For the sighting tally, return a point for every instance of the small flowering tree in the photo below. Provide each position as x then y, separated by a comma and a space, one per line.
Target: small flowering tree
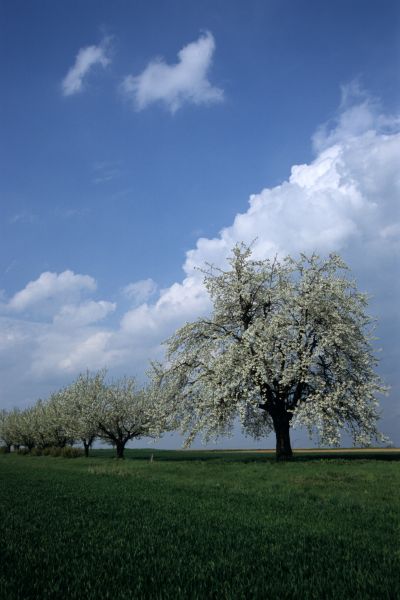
56, 420
39, 426
24, 434
16, 428
7, 429
81, 407
288, 343
124, 413
39, 422
47, 423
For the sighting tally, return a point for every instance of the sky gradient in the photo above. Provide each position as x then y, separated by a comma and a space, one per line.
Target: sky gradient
139, 140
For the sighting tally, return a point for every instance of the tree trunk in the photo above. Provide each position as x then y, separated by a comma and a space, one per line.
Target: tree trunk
86, 447
282, 432
120, 446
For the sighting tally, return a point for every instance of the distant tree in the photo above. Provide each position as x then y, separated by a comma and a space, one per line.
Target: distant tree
288, 343
56, 418
39, 422
47, 421
124, 413
24, 433
81, 407
6, 429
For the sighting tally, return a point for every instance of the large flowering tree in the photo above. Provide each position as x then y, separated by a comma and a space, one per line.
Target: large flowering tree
288, 342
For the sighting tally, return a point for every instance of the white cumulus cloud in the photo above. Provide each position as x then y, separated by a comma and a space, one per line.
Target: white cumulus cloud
345, 200
358, 112
175, 305
93, 351
73, 315
140, 291
49, 328
53, 288
177, 84
86, 59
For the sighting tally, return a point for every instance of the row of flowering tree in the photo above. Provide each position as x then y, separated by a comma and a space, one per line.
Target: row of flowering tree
85, 410
288, 343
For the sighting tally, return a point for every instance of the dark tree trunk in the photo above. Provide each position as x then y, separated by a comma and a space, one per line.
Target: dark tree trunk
8, 448
86, 447
120, 446
282, 431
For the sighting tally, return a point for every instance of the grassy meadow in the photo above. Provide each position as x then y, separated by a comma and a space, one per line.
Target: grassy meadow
224, 525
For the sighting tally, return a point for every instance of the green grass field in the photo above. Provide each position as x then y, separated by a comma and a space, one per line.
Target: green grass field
200, 525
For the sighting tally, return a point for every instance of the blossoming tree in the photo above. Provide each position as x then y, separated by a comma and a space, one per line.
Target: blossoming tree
7, 428
124, 413
288, 342
81, 407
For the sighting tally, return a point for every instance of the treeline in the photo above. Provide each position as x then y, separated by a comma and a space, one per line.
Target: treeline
80, 413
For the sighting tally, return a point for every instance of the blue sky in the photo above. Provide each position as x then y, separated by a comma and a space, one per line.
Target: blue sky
122, 161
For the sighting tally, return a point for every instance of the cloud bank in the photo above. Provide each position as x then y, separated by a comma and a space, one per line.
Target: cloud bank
346, 199
177, 84
86, 59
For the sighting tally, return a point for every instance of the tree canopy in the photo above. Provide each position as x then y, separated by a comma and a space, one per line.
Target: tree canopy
288, 343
